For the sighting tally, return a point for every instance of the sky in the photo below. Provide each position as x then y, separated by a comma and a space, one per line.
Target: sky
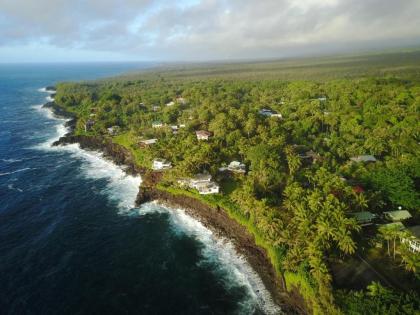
200, 30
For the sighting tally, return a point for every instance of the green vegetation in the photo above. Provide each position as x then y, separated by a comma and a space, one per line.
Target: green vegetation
301, 186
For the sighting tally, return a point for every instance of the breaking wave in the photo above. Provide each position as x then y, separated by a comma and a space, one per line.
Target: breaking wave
222, 253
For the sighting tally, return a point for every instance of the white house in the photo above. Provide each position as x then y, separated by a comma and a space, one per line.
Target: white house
203, 134
161, 164
363, 158
208, 188
171, 103
414, 239
236, 167
157, 124
156, 108
148, 142
202, 183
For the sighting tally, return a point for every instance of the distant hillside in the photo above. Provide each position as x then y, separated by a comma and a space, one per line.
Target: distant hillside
398, 64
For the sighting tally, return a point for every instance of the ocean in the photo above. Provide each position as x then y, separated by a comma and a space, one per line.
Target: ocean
71, 239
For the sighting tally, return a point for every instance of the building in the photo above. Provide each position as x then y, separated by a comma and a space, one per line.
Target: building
202, 183
89, 125
364, 217
203, 135
397, 216
114, 130
157, 124
161, 164
155, 108
148, 142
208, 188
171, 103
269, 113
234, 167
322, 99
363, 158
413, 240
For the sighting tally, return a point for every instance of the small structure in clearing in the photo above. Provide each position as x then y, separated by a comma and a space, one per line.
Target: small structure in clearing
147, 143
161, 164
364, 217
203, 135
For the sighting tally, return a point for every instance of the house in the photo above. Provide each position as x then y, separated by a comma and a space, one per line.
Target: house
358, 189
114, 130
322, 98
155, 108
208, 188
397, 216
161, 164
147, 143
174, 129
363, 158
269, 113
157, 124
413, 239
236, 167
199, 179
171, 103
203, 183
89, 125
203, 134
182, 126
364, 217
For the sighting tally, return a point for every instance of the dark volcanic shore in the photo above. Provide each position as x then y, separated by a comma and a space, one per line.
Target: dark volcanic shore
216, 219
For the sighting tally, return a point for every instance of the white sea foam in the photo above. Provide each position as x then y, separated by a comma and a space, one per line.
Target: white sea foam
16, 171
222, 252
49, 98
44, 90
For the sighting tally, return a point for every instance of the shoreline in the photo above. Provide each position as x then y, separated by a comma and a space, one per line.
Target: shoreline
216, 220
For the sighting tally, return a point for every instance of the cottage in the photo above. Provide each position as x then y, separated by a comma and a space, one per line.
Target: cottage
171, 103
364, 217
322, 98
161, 164
89, 125
157, 124
203, 134
182, 126
269, 113
114, 130
363, 158
236, 167
397, 216
156, 108
208, 188
413, 239
199, 179
147, 143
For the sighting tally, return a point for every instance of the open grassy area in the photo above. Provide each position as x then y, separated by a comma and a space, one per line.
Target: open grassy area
142, 157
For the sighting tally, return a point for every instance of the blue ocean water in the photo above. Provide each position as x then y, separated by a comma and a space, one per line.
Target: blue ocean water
71, 240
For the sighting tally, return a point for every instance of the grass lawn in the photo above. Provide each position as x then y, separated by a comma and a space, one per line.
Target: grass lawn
142, 157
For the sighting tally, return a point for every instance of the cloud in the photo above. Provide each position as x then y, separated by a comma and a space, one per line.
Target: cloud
210, 29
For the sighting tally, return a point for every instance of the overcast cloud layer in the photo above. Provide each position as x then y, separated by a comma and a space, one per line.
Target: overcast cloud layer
202, 29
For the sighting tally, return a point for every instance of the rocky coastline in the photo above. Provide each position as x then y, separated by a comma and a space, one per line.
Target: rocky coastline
216, 219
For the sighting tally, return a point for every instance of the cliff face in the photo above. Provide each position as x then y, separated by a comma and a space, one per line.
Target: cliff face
118, 154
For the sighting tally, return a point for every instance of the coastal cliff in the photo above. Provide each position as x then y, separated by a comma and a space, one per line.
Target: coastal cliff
214, 218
